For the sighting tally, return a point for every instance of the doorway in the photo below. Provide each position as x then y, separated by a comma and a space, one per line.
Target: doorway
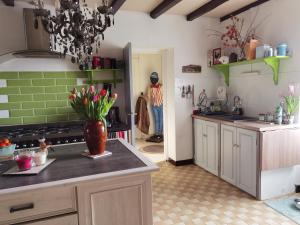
144, 63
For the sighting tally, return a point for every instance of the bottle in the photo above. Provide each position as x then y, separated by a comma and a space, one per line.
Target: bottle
278, 114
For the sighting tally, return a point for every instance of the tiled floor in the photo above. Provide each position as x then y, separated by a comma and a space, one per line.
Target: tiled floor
154, 157
189, 195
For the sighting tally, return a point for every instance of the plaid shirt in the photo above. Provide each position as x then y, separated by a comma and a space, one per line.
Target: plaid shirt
155, 94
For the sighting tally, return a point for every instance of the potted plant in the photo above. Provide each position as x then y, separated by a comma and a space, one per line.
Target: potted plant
291, 104
93, 106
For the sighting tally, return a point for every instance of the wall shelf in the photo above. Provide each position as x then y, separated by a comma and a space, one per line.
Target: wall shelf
115, 80
273, 62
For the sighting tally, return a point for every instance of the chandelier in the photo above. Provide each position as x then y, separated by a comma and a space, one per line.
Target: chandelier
75, 29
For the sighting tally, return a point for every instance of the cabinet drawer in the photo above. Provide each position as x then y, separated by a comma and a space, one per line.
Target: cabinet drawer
62, 220
36, 204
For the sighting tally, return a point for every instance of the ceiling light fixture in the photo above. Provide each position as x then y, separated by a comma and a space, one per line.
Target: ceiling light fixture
76, 29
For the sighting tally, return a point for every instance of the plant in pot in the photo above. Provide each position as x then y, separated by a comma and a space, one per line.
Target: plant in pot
93, 106
291, 104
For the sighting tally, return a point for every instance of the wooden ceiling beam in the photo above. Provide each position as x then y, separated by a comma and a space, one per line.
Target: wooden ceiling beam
205, 9
9, 2
163, 7
116, 5
243, 9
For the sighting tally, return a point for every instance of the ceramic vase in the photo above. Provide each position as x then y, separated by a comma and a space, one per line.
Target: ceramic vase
95, 134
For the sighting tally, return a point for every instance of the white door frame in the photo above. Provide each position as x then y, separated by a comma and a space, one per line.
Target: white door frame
169, 96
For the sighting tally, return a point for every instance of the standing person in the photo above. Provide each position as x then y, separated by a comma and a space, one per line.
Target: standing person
155, 95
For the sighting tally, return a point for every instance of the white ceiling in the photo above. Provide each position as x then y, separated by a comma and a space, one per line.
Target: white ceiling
185, 6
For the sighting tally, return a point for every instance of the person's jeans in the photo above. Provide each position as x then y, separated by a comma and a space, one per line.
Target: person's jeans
158, 117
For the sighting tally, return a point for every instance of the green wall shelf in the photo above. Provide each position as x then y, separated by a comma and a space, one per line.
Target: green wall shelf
273, 62
114, 72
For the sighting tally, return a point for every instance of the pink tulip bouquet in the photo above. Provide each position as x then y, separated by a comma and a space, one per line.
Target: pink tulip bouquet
93, 105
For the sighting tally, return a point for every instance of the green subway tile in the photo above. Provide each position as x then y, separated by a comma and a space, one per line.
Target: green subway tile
34, 119
17, 83
44, 97
56, 104
40, 112
8, 75
11, 121
27, 75
33, 105
65, 110
66, 82
76, 74
54, 74
4, 106
60, 89
9, 90
32, 90
19, 113
43, 82
74, 116
19, 98
57, 118
63, 96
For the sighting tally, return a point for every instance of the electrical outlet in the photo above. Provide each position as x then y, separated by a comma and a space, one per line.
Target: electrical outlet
4, 114
81, 81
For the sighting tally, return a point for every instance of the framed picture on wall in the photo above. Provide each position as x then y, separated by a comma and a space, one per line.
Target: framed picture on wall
217, 52
209, 58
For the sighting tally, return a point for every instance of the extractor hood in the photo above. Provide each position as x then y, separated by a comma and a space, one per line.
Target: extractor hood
37, 40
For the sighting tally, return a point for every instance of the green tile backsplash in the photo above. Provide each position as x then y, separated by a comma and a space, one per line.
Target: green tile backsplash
38, 97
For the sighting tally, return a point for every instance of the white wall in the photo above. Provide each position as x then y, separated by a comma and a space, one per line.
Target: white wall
190, 43
258, 91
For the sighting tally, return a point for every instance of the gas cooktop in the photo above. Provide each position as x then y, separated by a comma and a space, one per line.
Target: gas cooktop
27, 136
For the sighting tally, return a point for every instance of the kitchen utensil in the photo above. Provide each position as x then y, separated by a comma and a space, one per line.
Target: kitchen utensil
202, 100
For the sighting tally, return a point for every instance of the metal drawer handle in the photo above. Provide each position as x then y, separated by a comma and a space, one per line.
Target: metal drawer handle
21, 207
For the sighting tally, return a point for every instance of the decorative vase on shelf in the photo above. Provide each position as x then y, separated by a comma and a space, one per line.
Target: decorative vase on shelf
95, 134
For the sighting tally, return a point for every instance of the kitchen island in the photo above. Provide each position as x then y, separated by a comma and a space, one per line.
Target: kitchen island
259, 158
77, 190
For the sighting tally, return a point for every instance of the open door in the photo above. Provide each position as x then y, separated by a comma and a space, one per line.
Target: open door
129, 107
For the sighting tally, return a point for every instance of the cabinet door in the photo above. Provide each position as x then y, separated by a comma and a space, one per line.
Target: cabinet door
63, 220
228, 155
126, 201
200, 154
211, 146
246, 160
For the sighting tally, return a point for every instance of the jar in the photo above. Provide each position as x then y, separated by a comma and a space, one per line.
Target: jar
24, 160
40, 158
282, 49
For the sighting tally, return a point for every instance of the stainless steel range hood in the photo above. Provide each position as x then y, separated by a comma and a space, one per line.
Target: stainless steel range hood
37, 40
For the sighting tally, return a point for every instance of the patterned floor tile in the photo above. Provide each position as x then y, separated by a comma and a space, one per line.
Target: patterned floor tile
189, 195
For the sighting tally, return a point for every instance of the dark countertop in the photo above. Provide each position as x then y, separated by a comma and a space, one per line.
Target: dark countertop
70, 164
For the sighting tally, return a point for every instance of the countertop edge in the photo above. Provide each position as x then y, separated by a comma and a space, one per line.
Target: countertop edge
150, 167
247, 124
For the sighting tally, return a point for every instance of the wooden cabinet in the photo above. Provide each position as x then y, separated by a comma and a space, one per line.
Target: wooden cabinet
228, 154
239, 157
37, 204
63, 220
126, 201
207, 145
247, 146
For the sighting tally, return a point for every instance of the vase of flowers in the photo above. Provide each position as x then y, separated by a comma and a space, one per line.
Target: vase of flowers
93, 106
291, 104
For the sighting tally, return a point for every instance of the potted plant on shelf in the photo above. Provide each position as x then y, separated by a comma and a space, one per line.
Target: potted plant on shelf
291, 104
93, 106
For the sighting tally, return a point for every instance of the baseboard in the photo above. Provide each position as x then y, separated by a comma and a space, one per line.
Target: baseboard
181, 162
